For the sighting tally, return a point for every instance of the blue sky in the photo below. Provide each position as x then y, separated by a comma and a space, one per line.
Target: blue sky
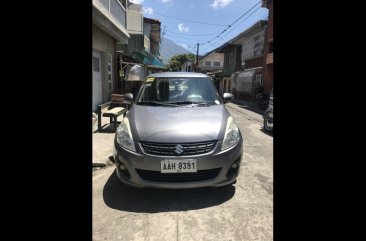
180, 19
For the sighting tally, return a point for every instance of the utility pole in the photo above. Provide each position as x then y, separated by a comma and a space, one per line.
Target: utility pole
198, 46
161, 39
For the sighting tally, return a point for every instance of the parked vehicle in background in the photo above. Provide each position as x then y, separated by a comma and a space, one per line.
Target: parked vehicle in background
263, 101
262, 98
268, 115
178, 134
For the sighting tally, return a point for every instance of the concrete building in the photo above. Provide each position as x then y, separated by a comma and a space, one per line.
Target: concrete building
211, 62
135, 28
109, 31
152, 29
243, 61
251, 77
268, 49
188, 66
141, 53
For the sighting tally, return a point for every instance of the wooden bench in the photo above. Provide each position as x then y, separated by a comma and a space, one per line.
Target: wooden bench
109, 110
120, 100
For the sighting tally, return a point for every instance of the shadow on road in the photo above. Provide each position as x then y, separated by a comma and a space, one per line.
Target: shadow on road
107, 128
252, 108
116, 195
248, 105
265, 132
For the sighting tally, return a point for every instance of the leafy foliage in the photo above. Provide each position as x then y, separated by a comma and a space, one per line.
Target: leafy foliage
177, 61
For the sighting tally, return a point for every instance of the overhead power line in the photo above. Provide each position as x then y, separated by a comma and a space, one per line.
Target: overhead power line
241, 22
189, 44
219, 34
188, 20
211, 44
186, 34
192, 49
234, 22
248, 33
246, 13
184, 38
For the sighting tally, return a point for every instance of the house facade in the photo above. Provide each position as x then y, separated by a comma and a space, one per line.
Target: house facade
231, 55
248, 81
188, 66
268, 49
140, 56
211, 62
243, 62
109, 31
152, 29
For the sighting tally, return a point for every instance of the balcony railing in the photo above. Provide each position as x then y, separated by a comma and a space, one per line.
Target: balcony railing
116, 9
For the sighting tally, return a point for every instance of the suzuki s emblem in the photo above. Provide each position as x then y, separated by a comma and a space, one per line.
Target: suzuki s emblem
178, 149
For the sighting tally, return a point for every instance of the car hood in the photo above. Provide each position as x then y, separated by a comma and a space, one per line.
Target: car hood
177, 124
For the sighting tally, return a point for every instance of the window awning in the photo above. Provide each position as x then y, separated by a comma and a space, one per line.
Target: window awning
148, 59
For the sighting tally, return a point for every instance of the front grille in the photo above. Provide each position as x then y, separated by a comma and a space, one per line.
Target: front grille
185, 149
178, 177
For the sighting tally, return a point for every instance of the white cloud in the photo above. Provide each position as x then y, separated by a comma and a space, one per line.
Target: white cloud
220, 3
165, 1
147, 10
183, 28
137, 1
184, 46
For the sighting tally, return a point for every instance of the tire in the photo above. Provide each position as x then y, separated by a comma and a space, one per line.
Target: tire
268, 121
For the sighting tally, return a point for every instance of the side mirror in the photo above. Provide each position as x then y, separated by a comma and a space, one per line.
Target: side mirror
228, 96
128, 96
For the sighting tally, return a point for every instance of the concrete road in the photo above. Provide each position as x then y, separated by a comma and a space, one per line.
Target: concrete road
243, 211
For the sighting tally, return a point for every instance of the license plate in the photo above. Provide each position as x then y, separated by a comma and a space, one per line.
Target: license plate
181, 165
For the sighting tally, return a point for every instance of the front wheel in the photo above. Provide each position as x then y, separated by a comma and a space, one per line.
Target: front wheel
268, 121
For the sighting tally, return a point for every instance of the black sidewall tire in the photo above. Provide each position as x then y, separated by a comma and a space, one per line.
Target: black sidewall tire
266, 128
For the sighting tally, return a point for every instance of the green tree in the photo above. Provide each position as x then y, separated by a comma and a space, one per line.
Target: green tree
177, 61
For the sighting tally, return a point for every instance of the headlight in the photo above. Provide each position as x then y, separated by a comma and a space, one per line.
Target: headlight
232, 135
124, 135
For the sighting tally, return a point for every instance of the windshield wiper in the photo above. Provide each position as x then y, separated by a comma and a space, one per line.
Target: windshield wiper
156, 103
188, 102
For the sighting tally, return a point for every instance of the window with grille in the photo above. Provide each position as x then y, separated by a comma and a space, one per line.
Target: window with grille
96, 64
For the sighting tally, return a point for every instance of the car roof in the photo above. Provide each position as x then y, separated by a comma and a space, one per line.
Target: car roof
178, 74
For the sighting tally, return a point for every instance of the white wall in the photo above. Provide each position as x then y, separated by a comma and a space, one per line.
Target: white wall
253, 46
213, 57
105, 44
134, 19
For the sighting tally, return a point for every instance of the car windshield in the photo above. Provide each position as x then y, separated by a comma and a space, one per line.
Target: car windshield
178, 91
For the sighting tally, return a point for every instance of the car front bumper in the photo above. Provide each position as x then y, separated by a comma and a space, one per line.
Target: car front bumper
221, 161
